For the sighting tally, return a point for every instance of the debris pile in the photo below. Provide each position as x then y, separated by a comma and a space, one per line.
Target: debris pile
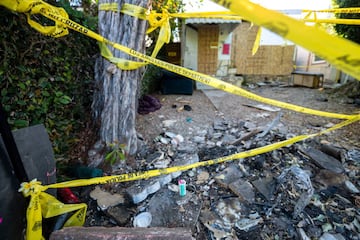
308, 190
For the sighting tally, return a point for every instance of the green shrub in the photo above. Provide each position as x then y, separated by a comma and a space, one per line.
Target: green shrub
46, 80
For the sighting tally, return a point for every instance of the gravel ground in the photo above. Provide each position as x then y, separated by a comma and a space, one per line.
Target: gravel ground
206, 105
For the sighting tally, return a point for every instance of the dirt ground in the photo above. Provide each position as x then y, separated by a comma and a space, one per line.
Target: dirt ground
207, 105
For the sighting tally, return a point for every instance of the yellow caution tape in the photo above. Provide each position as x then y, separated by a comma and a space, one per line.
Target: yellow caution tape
43, 205
38, 199
121, 63
30, 7
312, 17
156, 20
47, 11
257, 42
335, 21
46, 205
162, 20
342, 53
335, 10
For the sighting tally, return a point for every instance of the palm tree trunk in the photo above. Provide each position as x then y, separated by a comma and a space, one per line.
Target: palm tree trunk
116, 90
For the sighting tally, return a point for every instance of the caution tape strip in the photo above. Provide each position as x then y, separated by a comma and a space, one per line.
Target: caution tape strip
342, 53
39, 200
203, 78
46, 205
335, 10
334, 21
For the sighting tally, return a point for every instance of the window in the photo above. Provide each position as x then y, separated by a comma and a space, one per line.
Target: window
317, 59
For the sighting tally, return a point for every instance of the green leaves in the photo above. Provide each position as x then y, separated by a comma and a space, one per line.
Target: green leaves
46, 80
21, 123
116, 153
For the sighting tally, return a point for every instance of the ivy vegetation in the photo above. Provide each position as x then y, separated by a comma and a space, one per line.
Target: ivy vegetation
45, 80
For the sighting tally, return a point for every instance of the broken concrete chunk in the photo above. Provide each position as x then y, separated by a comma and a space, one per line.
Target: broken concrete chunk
120, 214
323, 160
106, 199
166, 212
244, 190
139, 191
228, 175
329, 236
266, 186
183, 159
245, 224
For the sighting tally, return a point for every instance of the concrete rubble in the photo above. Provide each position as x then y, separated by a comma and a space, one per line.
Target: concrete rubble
309, 190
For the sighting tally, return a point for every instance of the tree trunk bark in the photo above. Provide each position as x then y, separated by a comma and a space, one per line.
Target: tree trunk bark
116, 91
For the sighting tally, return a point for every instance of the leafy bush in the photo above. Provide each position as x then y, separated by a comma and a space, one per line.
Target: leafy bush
46, 80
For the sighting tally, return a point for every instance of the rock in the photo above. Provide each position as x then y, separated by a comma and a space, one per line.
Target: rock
183, 159
106, 199
120, 214
228, 175
219, 124
216, 135
351, 187
166, 212
164, 179
199, 140
102, 233
169, 123
323, 160
249, 125
244, 190
329, 178
245, 224
329, 236
140, 190
266, 186
228, 139
188, 148
202, 177
177, 140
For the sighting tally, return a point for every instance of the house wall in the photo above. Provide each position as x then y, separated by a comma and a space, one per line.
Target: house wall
269, 59
224, 50
306, 61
